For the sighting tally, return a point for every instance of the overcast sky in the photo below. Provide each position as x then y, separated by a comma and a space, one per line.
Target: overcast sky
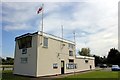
94, 21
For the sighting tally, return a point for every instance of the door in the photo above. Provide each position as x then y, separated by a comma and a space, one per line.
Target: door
62, 67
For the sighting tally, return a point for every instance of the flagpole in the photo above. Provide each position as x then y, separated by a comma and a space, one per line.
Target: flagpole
42, 19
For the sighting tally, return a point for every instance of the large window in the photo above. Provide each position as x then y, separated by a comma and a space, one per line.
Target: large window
70, 53
25, 42
71, 66
45, 42
24, 60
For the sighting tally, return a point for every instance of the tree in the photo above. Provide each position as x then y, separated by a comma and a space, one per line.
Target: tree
7, 61
98, 60
113, 56
84, 52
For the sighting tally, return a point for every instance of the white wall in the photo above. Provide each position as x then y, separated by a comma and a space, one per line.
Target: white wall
28, 68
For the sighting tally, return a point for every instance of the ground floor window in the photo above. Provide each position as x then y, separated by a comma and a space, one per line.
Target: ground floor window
55, 66
71, 66
24, 60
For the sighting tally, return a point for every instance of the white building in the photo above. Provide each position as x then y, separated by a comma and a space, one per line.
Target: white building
41, 54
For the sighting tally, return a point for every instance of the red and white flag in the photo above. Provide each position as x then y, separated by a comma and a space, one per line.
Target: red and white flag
39, 10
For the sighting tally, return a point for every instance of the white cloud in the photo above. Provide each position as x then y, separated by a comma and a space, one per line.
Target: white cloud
97, 18
17, 27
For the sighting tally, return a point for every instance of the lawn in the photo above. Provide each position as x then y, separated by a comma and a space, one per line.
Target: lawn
94, 75
7, 75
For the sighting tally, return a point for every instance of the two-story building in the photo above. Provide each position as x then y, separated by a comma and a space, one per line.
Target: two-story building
41, 54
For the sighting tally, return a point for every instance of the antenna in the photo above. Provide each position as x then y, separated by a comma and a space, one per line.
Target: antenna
62, 32
74, 36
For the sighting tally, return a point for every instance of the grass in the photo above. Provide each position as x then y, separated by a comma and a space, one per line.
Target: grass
8, 75
6, 66
94, 75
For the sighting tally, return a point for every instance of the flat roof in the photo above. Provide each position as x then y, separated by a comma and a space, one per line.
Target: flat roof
47, 35
84, 57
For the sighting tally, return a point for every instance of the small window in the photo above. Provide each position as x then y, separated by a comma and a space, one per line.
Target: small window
24, 51
70, 53
86, 61
71, 61
45, 43
24, 60
55, 66
71, 46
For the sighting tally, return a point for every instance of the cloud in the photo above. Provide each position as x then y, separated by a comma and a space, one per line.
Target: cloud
17, 27
95, 22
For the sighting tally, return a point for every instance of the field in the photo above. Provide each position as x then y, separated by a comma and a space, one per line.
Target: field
7, 75
6, 66
94, 75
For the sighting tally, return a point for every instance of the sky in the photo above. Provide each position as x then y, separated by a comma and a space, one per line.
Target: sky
95, 23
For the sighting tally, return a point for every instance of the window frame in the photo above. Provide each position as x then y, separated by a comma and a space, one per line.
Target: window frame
44, 44
22, 60
70, 53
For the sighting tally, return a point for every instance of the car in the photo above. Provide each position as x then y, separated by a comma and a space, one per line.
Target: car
115, 68
103, 66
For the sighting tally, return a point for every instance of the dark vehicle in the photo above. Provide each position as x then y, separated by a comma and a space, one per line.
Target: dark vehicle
115, 68
103, 66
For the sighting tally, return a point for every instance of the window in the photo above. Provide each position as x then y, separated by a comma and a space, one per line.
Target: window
71, 66
25, 42
70, 53
55, 66
45, 43
86, 61
71, 46
24, 51
24, 60
71, 61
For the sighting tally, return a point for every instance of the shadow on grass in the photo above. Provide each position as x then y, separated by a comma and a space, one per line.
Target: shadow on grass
8, 75
86, 79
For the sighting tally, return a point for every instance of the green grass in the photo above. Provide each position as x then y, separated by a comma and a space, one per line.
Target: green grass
94, 75
6, 66
8, 75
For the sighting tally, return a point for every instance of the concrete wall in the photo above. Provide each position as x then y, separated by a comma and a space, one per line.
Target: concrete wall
28, 68
46, 57
53, 54
83, 66
41, 59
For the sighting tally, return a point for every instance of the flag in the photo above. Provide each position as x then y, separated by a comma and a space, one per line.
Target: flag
39, 10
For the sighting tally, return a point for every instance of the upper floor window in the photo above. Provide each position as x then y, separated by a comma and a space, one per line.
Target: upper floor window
45, 42
24, 51
70, 53
25, 42
86, 61
71, 60
71, 46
